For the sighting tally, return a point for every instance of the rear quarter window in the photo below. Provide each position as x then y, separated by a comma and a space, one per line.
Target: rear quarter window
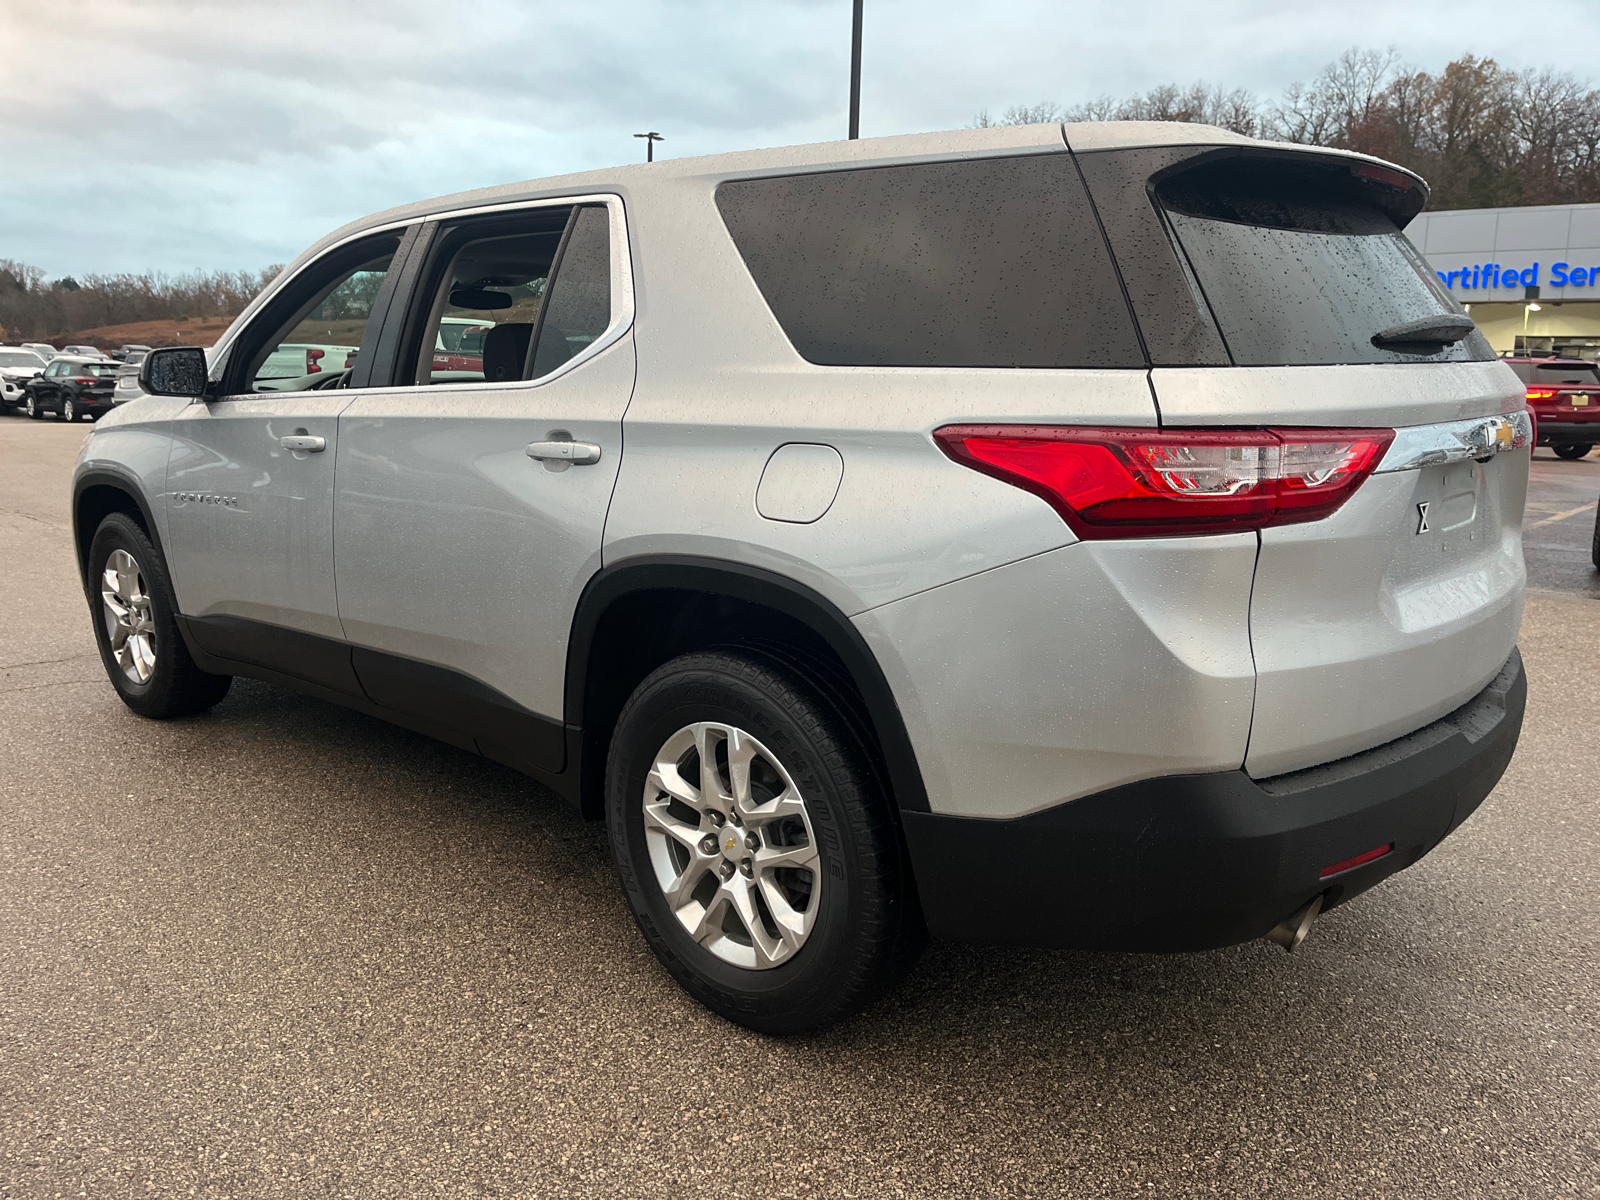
981, 263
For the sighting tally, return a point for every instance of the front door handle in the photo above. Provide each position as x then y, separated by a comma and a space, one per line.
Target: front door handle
299, 441
579, 454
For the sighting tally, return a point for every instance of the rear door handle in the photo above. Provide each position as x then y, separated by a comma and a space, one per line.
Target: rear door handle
577, 453
299, 441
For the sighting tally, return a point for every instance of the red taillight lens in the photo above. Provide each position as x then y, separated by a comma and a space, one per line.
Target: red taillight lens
1350, 864
83, 379
1541, 393
312, 364
1118, 483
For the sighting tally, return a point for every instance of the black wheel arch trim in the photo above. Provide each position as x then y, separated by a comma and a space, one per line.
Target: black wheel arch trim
755, 585
122, 481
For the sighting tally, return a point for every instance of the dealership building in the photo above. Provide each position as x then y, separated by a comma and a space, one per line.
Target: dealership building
1530, 277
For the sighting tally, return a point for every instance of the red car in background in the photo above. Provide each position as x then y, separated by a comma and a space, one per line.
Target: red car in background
1564, 395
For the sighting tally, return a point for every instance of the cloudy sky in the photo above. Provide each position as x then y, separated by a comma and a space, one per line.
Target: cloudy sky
178, 134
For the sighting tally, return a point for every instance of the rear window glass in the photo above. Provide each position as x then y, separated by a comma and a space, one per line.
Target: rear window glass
98, 370
1299, 268
1584, 373
984, 263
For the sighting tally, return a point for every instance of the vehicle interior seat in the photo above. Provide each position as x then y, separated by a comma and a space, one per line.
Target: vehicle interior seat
505, 350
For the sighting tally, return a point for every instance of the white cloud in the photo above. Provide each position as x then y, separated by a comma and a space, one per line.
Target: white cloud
186, 134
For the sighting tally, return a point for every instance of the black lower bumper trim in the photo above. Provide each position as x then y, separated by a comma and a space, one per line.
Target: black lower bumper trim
1194, 862
1568, 433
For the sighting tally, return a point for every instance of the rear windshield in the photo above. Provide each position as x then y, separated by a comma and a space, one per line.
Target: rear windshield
97, 369
1567, 372
1299, 266
982, 263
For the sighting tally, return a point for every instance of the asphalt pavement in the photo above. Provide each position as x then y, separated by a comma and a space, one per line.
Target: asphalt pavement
281, 949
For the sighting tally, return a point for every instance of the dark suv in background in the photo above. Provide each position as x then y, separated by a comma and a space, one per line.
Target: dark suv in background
1564, 394
72, 388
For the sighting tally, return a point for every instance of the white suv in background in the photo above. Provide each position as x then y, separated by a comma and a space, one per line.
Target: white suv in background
1098, 536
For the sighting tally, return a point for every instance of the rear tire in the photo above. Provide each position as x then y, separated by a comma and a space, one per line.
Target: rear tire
69, 410
776, 948
1570, 451
135, 626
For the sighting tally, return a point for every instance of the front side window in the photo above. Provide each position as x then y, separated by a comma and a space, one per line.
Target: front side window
311, 334
515, 298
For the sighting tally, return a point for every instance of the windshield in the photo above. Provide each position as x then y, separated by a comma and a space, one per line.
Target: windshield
1567, 372
20, 358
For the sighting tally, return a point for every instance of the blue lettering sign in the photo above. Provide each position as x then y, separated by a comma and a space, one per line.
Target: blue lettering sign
1558, 274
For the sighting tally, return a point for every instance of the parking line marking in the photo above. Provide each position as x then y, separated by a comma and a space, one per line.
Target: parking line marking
1571, 512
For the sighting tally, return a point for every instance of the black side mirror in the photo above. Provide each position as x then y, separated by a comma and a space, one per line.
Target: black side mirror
179, 371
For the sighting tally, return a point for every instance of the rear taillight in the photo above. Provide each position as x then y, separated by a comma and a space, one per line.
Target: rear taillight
1541, 393
312, 357
1119, 483
83, 379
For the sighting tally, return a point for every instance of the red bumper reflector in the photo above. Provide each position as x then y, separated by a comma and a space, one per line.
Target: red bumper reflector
1360, 860
1136, 482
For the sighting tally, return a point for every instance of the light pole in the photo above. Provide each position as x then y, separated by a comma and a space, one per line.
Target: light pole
651, 138
855, 72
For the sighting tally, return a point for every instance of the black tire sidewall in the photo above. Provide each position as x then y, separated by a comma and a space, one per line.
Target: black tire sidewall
680, 695
120, 532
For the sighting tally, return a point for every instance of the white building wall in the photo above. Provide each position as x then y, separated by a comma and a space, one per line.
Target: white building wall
1510, 247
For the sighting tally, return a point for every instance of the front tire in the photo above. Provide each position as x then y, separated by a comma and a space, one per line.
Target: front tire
755, 843
1571, 452
136, 629
31, 406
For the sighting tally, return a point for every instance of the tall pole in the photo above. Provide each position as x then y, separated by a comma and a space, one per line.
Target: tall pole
855, 72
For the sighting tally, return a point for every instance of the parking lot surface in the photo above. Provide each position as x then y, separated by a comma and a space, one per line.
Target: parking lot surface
283, 949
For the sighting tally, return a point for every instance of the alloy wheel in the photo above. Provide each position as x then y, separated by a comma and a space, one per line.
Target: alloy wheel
130, 623
69, 411
731, 844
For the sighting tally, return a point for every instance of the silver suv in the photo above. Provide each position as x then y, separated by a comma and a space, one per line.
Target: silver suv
1100, 536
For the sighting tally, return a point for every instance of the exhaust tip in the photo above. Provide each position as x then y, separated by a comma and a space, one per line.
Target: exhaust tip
1292, 930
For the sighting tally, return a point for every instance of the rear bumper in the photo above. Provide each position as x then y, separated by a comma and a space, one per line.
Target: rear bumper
1568, 432
1194, 862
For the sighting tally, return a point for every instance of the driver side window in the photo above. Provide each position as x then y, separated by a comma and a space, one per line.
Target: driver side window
312, 334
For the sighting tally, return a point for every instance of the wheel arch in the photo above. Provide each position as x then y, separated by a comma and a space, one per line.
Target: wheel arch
96, 495
638, 613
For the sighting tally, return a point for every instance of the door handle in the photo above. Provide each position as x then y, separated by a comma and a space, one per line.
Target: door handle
579, 454
299, 441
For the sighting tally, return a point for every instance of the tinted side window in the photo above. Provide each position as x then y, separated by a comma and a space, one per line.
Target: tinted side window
984, 263
579, 308
1177, 326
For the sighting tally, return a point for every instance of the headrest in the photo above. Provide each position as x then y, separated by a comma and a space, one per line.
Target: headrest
505, 351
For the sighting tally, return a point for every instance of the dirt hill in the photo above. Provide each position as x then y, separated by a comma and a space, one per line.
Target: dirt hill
196, 331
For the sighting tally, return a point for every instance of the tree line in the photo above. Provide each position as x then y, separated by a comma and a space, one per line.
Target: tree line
1481, 135
36, 309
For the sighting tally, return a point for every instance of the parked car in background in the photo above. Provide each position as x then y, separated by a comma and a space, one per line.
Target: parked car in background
1564, 394
73, 388
43, 349
296, 360
85, 352
17, 366
127, 383
458, 347
121, 354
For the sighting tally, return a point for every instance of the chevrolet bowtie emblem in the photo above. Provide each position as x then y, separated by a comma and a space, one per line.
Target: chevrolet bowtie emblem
1504, 434
1422, 517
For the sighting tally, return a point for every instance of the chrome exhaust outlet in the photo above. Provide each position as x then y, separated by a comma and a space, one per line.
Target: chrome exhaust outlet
1292, 930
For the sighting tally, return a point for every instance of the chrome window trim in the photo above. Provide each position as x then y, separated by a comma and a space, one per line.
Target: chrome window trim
1418, 446
621, 277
